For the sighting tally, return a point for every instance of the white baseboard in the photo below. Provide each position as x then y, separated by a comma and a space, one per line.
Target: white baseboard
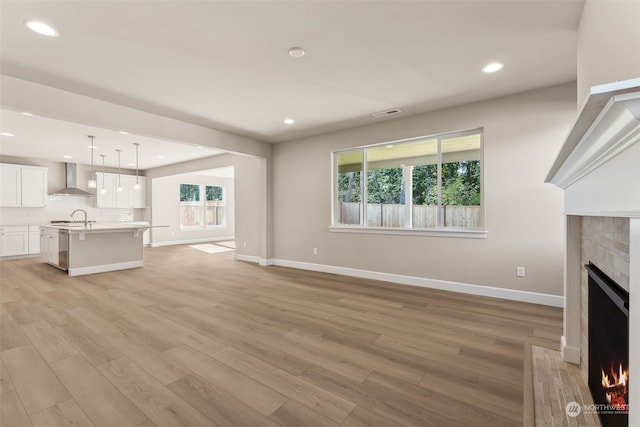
192, 241
465, 288
570, 354
81, 271
248, 258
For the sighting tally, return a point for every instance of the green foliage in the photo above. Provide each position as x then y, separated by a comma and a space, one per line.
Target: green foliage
349, 187
460, 185
425, 185
213, 193
385, 186
189, 193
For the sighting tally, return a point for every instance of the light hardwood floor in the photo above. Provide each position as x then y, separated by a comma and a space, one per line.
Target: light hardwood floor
200, 339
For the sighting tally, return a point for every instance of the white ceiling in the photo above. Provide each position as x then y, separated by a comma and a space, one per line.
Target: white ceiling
51, 139
224, 64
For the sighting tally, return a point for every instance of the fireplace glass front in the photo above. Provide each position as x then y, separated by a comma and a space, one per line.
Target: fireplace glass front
608, 348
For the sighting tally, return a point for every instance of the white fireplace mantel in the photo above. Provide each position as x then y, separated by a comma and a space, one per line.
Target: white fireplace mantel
599, 163
598, 168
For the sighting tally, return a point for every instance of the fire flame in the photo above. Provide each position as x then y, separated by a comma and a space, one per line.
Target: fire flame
615, 387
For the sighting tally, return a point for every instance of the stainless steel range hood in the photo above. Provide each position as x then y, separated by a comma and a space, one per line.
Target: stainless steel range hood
71, 188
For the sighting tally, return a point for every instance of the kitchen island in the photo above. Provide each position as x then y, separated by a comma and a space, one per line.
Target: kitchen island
83, 249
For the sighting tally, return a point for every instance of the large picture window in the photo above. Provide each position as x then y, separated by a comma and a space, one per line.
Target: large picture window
432, 182
201, 206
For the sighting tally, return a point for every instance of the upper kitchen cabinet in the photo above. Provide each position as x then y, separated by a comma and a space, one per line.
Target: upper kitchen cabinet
10, 185
138, 196
34, 187
105, 193
128, 198
22, 186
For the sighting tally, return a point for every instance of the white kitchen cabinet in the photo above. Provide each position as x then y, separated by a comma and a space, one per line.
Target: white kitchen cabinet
135, 197
10, 186
34, 187
128, 198
106, 182
122, 197
49, 242
22, 186
34, 239
14, 240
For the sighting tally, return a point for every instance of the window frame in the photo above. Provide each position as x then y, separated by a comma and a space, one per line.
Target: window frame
202, 207
440, 231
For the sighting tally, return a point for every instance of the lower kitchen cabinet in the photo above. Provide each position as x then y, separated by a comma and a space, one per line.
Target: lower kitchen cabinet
34, 239
49, 246
14, 240
18, 240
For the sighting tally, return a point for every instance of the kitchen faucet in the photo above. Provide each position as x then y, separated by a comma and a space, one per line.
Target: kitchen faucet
85, 216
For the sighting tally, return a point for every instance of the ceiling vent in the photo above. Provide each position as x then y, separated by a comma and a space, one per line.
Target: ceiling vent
386, 113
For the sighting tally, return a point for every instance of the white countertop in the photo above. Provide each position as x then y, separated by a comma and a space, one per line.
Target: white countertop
101, 227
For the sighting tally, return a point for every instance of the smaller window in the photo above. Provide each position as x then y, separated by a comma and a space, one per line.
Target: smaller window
215, 209
202, 206
190, 206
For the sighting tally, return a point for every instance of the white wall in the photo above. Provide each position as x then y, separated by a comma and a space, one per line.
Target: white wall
523, 215
166, 210
608, 43
248, 191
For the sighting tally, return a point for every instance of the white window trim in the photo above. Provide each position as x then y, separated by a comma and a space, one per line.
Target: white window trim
404, 231
433, 232
203, 209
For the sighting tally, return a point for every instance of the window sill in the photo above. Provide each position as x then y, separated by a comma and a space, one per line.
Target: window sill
201, 228
434, 232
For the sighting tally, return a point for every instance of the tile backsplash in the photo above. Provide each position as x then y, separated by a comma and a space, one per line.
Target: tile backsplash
60, 208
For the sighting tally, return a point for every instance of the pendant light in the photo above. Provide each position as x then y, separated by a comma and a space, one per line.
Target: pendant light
136, 186
103, 190
119, 188
92, 182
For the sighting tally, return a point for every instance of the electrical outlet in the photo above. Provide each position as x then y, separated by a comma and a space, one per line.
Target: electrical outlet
315, 251
520, 272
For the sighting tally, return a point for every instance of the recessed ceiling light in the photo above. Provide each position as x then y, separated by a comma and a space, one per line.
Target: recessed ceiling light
131, 164
42, 28
123, 132
161, 157
68, 157
297, 52
199, 148
24, 113
388, 146
91, 146
289, 121
6, 134
493, 67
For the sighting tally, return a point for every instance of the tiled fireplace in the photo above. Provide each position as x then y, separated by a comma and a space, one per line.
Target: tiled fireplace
599, 170
605, 243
